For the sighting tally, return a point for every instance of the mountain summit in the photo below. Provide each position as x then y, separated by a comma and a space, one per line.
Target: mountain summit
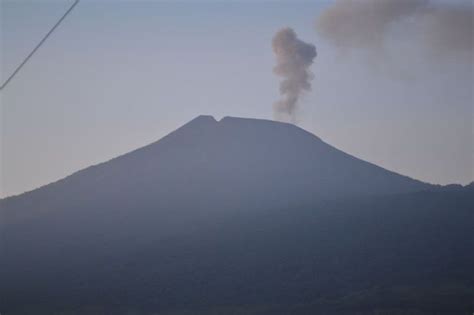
209, 162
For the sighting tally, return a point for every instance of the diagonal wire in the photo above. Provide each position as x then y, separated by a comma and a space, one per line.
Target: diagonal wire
39, 45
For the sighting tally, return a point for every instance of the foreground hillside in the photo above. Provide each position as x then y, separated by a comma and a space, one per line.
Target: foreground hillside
405, 253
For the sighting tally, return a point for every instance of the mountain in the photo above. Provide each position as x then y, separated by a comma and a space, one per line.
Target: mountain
238, 216
208, 162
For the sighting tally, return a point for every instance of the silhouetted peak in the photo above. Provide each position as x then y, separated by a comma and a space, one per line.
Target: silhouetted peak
202, 120
245, 156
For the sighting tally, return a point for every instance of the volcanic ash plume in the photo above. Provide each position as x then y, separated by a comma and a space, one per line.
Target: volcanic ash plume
294, 57
360, 23
441, 28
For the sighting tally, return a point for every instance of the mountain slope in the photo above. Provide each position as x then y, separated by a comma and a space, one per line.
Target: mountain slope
214, 163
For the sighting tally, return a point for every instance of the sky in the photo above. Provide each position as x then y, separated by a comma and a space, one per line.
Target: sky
117, 75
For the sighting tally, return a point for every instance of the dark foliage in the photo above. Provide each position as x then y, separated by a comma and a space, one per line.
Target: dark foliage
399, 253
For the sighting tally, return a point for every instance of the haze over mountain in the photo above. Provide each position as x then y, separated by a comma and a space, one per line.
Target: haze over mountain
237, 213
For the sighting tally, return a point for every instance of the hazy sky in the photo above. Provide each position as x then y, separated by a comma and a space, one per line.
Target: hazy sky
118, 75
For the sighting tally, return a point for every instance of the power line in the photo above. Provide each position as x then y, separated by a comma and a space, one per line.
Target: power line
39, 45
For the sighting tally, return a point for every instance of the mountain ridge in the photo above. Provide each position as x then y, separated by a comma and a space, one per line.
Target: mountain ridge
216, 163
201, 121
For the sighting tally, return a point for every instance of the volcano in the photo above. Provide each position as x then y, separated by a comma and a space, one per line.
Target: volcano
235, 213
208, 162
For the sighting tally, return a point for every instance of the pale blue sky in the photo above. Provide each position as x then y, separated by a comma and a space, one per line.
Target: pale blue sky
118, 75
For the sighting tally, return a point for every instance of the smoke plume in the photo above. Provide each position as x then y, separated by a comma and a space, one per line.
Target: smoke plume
441, 28
294, 57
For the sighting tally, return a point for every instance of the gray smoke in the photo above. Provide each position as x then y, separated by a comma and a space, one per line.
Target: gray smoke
441, 28
294, 57
449, 28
